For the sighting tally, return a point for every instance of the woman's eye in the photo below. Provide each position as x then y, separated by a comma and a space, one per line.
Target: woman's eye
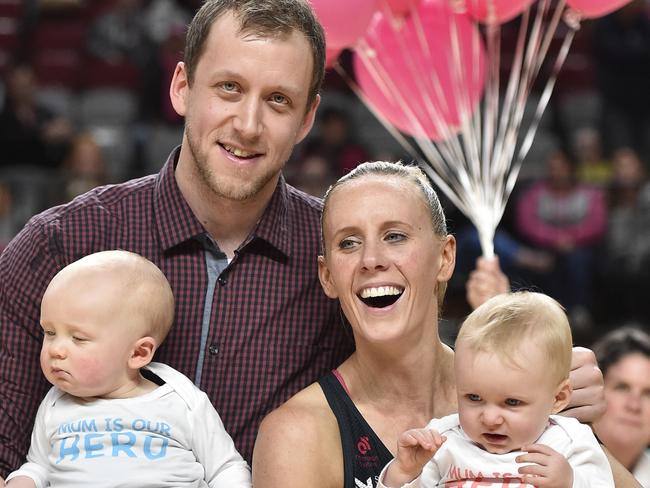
346, 244
512, 402
621, 387
395, 237
473, 397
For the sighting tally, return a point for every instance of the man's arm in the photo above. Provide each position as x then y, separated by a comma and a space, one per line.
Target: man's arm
26, 266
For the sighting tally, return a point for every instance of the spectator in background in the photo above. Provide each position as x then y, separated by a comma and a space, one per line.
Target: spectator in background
624, 273
30, 134
337, 142
624, 358
84, 167
622, 55
593, 168
313, 175
567, 219
9, 224
120, 37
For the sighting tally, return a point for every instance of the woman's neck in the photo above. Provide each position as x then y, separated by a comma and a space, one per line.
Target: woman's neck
422, 380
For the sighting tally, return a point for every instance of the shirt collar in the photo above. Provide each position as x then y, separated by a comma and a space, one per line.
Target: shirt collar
177, 223
174, 218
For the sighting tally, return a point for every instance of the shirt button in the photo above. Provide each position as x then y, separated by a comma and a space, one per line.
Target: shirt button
214, 349
222, 280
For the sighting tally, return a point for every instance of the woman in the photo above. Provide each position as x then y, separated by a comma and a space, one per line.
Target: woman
624, 358
387, 258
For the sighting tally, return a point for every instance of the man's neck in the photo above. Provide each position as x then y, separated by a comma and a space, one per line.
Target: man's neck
229, 222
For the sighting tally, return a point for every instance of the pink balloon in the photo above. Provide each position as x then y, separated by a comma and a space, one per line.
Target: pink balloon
496, 11
400, 8
596, 8
459, 88
344, 21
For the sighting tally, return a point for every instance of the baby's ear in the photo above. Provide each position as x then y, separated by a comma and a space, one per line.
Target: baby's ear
562, 396
142, 353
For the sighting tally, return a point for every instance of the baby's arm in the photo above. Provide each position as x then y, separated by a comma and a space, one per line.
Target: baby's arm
33, 473
415, 448
549, 468
19, 482
214, 449
584, 458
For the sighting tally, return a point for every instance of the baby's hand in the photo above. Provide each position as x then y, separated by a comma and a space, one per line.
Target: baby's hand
415, 448
550, 469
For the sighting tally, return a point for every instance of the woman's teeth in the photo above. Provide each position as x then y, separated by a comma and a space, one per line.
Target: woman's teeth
380, 291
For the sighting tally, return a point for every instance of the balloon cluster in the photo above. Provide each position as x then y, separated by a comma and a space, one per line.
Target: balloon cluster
380, 32
431, 69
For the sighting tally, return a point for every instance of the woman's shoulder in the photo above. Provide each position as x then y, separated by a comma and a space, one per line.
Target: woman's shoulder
298, 443
307, 412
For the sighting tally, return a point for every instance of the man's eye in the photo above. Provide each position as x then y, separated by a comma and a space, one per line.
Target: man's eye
229, 86
512, 402
473, 397
279, 99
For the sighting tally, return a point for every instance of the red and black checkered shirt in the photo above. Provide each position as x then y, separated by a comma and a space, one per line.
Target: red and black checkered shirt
272, 330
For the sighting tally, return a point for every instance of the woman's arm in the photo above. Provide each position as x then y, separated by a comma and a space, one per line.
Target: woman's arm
299, 445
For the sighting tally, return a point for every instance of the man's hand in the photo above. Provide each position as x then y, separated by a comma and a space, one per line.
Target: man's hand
486, 281
549, 469
587, 402
415, 448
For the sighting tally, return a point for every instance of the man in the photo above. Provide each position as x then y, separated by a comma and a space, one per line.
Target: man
237, 244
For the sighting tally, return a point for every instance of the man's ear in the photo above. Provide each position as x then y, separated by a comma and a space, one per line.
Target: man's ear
142, 353
325, 278
562, 396
178, 89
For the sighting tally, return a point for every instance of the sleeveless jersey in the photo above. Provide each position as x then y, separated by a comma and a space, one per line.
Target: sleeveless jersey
364, 454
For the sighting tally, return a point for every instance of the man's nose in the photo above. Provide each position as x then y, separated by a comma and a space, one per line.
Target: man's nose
248, 119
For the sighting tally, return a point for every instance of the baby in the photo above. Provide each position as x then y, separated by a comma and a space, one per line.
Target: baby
512, 362
114, 418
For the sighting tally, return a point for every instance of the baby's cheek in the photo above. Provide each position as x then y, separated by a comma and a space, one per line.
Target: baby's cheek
92, 370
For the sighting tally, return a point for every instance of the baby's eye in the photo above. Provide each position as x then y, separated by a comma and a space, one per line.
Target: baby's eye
513, 402
473, 397
79, 339
50, 333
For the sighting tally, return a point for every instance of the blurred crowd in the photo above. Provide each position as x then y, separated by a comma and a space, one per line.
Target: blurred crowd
83, 102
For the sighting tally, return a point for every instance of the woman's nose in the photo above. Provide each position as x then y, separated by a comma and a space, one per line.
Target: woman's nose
373, 257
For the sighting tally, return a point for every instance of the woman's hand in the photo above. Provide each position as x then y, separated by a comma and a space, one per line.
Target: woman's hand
587, 402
